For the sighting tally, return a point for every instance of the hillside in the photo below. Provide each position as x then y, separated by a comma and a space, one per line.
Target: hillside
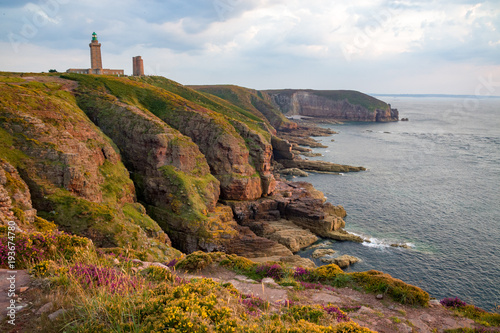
254, 101
106, 180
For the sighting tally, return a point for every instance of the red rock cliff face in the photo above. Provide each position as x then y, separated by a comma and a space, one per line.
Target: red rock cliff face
224, 149
15, 197
261, 152
171, 174
74, 174
66, 149
312, 104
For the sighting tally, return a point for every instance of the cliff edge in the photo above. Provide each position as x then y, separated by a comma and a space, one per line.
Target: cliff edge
342, 105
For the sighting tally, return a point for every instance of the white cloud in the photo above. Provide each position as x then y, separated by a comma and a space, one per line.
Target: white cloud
278, 43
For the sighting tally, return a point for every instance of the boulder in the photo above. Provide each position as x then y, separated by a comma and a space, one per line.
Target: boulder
282, 149
345, 261
290, 235
318, 166
294, 172
322, 252
298, 261
249, 245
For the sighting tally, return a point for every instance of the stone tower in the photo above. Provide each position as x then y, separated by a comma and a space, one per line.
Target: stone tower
137, 66
95, 55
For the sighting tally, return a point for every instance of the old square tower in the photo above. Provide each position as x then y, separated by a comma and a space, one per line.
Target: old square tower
96, 61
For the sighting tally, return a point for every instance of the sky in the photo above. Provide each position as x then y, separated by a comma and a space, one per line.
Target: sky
373, 46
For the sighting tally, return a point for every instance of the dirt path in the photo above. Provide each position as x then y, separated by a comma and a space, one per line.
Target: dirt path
381, 315
19, 283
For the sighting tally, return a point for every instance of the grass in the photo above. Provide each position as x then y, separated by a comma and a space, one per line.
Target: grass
480, 316
353, 97
252, 101
110, 293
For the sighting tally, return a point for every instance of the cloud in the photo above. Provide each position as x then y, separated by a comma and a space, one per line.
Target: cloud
242, 41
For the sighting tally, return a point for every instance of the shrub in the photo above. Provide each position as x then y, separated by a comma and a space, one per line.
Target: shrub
41, 269
398, 290
92, 276
238, 263
173, 262
289, 281
337, 313
38, 246
195, 261
305, 312
157, 273
254, 304
272, 270
327, 272
193, 307
305, 274
452, 302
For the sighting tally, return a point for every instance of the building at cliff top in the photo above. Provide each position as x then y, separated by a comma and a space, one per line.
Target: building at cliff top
96, 61
138, 66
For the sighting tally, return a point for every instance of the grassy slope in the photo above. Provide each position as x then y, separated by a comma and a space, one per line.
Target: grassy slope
252, 100
175, 110
257, 123
352, 96
112, 220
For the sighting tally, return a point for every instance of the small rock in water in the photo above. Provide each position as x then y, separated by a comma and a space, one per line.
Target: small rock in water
322, 252
345, 261
380, 296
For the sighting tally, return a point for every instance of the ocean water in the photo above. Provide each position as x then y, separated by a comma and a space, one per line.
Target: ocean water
432, 183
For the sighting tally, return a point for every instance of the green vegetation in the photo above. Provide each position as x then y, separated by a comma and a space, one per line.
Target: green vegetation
331, 275
209, 101
7, 79
247, 99
353, 97
470, 311
43, 128
378, 282
102, 292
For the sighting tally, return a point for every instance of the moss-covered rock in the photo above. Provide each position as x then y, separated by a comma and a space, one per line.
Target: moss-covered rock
74, 172
225, 150
171, 174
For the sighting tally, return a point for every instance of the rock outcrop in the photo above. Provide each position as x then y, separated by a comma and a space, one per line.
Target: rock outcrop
334, 104
224, 149
297, 202
74, 174
15, 198
343, 261
319, 166
170, 172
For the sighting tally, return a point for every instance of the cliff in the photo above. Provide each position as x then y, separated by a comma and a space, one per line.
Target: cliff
254, 101
83, 147
57, 165
343, 105
106, 177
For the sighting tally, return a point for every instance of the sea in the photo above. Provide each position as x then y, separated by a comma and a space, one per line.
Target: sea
432, 183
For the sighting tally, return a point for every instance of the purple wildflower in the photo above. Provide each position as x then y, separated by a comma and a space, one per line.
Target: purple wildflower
337, 313
453, 302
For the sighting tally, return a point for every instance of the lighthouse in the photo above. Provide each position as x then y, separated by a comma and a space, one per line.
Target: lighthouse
95, 55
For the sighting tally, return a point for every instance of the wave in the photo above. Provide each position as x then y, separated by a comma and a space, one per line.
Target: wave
382, 243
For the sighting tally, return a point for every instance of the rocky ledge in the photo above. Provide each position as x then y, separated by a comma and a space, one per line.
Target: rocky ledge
295, 216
